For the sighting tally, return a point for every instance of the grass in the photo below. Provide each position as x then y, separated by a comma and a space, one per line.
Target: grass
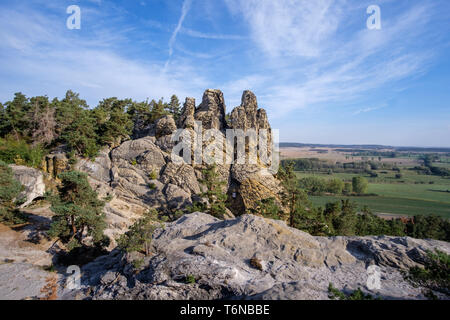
412, 194
397, 206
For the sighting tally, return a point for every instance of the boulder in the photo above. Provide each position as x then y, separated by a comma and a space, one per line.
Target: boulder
211, 112
187, 119
165, 126
32, 181
251, 257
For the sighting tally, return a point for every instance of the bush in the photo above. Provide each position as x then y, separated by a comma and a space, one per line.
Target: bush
18, 152
360, 185
435, 275
335, 294
139, 237
78, 212
9, 190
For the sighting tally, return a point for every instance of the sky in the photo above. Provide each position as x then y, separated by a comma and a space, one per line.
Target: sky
322, 75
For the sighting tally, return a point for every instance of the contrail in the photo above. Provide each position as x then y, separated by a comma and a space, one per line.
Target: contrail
184, 11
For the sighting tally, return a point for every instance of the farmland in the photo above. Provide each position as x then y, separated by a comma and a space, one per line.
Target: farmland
394, 189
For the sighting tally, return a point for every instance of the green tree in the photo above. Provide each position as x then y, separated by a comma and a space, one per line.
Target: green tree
291, 194
335, 186
158, 109
348, 188
139, 237
360, 185
174, 107
9, 190
68, 110
216, 197
81, 135
113, 122
78, 212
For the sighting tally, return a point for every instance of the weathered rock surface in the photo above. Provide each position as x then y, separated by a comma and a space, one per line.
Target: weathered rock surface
211, 112
290, 264
32, 181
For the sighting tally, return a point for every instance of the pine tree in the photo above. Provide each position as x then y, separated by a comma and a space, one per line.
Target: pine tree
9, 190
174, 107
291, 194
216, 197
78, 211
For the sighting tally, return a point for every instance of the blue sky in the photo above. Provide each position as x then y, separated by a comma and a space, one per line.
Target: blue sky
320, 73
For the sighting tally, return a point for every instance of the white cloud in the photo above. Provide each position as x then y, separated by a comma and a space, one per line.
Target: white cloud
39, 56
313, 58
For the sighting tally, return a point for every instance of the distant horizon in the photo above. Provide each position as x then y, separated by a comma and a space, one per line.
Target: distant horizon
364, 145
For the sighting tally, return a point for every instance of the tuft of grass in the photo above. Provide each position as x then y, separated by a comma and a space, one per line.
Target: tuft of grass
435, 276
190, 279
335, 294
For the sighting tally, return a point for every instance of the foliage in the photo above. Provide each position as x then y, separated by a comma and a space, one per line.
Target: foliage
435, 275
360, 185
267, 208
190, 279
174, 107
429, 227
335, 294
19, 152
216, 197
139, 237
9, 190
78, 212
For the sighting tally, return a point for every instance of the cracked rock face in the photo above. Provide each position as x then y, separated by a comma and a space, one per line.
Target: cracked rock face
32, 181
291, 264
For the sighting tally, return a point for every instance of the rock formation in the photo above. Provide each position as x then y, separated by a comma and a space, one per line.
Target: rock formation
221, 255
32, 181
139, 174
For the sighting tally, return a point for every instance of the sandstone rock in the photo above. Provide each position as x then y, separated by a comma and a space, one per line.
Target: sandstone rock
32, 181
187, 119
182, 176
177, 198
54, 164
98, 169
165, 126
293, 264
211, 112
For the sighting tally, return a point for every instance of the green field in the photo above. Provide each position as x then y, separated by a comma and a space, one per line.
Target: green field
412, 194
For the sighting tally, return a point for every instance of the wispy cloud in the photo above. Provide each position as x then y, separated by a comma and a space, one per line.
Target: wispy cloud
198, 34
184, 11
39, 56
314, 57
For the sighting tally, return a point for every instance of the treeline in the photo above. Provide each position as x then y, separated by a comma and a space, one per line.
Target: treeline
317, 186
31, 126
317, 165
342, 218
429, 169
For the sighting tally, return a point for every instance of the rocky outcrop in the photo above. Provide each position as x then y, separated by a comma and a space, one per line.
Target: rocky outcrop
32, 181
211, 112
165, 126
139, 174
254, 258
187, 118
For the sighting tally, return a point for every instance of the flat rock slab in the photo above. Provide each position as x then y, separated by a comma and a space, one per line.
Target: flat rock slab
20, 281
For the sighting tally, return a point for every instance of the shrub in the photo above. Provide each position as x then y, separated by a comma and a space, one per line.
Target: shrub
78, 212
360, 185
9, 190
335, 294
435, 275
139, 237
19, 152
